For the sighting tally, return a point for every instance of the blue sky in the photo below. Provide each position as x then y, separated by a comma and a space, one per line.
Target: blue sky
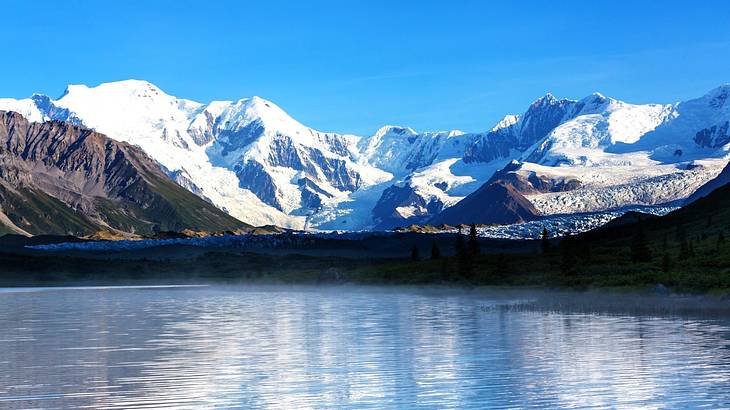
352, 66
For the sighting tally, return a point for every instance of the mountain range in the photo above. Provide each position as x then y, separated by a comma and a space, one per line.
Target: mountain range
251, 160
56, 177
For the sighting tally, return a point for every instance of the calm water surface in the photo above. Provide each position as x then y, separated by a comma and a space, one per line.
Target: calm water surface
346, 347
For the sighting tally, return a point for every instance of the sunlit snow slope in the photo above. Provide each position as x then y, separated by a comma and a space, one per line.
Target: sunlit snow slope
253, 160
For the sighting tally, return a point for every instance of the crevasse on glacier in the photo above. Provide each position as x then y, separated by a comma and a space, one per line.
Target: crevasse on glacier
253, 160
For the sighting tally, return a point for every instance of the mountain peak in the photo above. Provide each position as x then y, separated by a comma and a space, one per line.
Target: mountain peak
595, 103
247, 110
548, 98
598, 95
265, 108
718, 96
505, 122
395, 130
595, 98
258, 103
722, 88
135, 88
71, 88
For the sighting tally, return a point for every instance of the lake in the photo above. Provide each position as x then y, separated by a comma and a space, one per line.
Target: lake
349, 347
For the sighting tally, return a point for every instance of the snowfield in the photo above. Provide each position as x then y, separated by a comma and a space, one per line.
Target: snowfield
571, 224
253, 160
607, 188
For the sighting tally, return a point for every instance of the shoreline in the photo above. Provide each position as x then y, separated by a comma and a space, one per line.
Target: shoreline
606, 300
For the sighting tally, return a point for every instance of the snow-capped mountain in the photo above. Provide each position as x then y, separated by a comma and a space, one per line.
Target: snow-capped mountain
251, 159
603, 154
248, 157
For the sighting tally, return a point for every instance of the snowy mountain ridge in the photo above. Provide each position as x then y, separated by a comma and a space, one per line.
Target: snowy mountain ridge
250, 158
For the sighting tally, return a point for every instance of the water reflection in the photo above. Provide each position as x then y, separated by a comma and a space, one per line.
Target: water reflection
345, 347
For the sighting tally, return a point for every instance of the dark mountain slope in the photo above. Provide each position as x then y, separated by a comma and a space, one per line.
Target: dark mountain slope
706, 189
495, 202
498, 201
64, 179
706, 217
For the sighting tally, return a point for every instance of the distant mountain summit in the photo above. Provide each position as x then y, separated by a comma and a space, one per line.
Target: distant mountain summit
254, 161
248, 157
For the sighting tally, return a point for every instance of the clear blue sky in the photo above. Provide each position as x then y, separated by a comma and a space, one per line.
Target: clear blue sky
353, 66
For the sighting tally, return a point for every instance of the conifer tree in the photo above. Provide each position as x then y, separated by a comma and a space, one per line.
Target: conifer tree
545, 241
462, 256
501, 266
415, 254
683, 244
445, 272
568, 260
640, 251
435, 251
583, 251
459, 244
666, 262
677, 232
473, 242
720, 239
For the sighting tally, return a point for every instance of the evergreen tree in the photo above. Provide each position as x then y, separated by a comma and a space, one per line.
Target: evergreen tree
415, 254
640, 251
583, 251
568, 260
464, 262
664, 243
501, 266
666, 262
679, 233
709, 220
473, 242
466, 265
683, 244
445, 272
459, 244
720, 240
435, 251
545, 241
691, 253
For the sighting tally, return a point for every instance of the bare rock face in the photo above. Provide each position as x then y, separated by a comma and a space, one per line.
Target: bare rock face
386, 211
496, 202
253, 176
56, 177
540, 118
714, 137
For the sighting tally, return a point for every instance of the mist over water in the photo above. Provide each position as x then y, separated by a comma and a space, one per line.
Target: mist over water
339, 347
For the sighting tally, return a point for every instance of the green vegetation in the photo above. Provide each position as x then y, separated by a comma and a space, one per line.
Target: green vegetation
685, 250
168, 207
435, 251
566, 266
37, 212
5, 230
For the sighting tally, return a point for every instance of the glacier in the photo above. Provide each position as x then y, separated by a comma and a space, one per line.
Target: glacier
251, 159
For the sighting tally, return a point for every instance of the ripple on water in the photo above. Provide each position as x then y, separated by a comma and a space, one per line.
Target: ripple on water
346, 347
